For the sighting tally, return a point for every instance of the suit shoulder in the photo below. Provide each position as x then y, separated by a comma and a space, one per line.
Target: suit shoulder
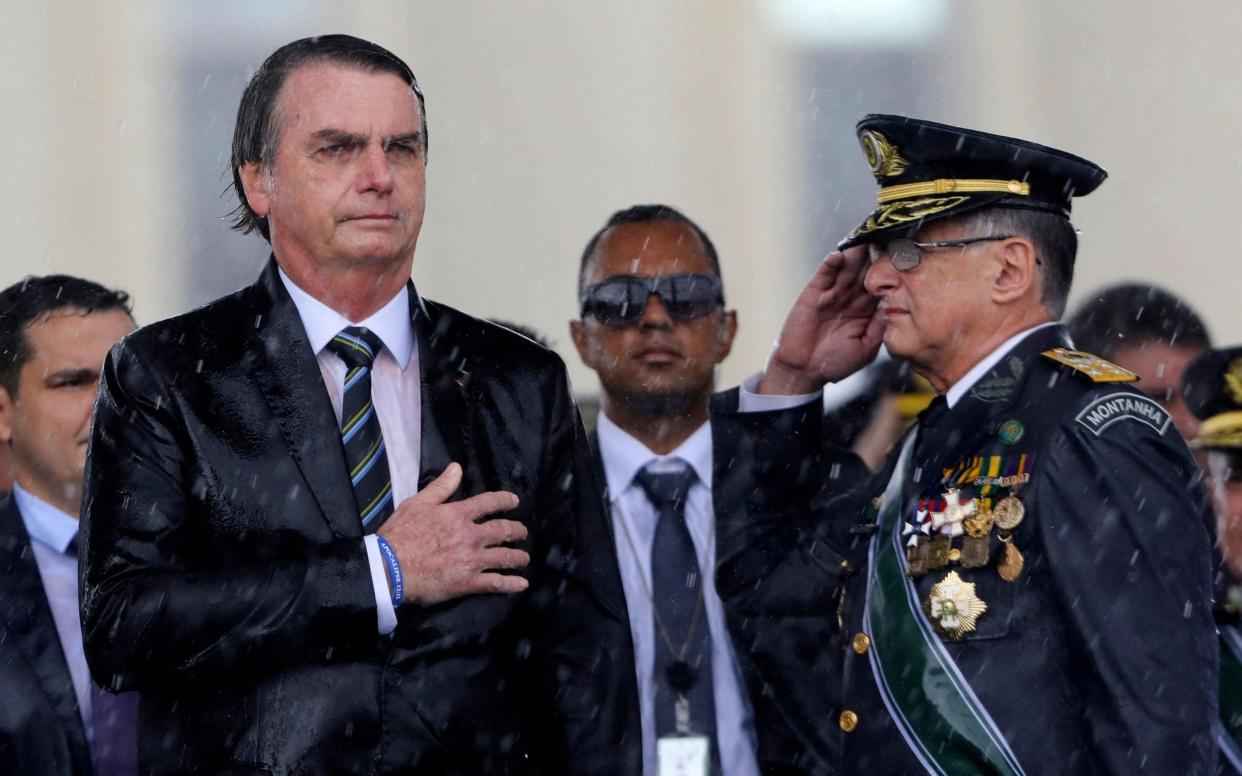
483, 340
181, 335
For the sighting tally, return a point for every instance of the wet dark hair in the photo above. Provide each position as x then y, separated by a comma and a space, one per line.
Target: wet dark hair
1055, 241
258, 126
643, 214
1134, 314
33, 299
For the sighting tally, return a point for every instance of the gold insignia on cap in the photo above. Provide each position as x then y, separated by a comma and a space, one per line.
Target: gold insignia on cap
1094, 367
881, 155
1220, 431
953, 607
904, 212
1233, 380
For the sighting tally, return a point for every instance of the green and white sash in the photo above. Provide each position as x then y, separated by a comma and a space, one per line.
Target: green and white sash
1229, 736
945, 725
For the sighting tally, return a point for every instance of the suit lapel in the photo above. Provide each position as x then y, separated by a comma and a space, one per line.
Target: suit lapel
445, 386
26, 619
288, 375
601, 478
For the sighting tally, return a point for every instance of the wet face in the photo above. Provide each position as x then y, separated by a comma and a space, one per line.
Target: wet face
931, 310
659, 365
347, 184
47, 425
1160, 368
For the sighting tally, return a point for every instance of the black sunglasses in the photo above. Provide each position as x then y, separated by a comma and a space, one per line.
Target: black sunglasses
621, 300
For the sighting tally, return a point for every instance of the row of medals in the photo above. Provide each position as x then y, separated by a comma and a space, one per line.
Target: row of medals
952, 604
977, 521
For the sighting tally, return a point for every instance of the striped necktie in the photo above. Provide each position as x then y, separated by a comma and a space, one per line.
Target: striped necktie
360, 427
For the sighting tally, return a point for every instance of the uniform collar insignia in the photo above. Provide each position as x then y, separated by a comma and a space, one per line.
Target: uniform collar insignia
999, 384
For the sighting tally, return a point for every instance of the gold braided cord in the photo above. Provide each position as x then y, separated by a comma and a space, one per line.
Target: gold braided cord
952, 186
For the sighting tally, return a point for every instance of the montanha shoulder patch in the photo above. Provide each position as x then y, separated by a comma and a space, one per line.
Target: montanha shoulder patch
1115, 408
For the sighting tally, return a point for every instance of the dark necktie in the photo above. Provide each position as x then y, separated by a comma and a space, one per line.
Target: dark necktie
683, 654
360, 428
114, 723
930, 417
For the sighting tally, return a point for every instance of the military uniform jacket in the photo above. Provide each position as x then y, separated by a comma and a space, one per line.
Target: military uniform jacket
1099, 656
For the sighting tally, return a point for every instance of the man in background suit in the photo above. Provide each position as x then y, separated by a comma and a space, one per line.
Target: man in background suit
335, 526
54, 334
654, 328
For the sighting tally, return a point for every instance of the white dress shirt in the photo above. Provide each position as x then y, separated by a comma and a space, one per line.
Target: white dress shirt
634, 523
51, 532
396, 390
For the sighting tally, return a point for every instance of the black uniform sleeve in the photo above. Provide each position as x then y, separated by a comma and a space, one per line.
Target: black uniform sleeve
152, 605
1122, 516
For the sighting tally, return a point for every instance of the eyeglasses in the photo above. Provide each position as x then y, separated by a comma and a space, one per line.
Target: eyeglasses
906, 254
621, 300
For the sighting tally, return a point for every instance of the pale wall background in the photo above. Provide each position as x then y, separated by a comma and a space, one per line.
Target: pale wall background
547, 116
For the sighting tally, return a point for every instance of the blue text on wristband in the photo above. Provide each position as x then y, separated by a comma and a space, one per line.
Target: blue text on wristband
394, 570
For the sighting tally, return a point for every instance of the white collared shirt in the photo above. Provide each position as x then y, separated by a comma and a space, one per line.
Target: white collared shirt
634, 523
396, 390
51, 532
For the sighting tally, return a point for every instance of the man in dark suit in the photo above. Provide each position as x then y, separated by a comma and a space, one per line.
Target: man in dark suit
654, 328
336, 525
1028, 588
54, 334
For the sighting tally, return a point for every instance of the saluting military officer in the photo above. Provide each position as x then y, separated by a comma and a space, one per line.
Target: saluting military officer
1029, 590
1212, 388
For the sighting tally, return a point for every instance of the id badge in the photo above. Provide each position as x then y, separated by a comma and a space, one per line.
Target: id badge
683, 755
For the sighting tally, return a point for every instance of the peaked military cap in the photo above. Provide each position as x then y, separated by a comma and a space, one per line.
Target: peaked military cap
928, 171
1212, 390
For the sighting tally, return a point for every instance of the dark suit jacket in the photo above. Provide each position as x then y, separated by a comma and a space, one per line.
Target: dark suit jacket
225, 577
781, 651
1101, 656
41, 727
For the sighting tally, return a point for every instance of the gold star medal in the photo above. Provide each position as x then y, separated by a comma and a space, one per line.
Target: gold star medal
953, 607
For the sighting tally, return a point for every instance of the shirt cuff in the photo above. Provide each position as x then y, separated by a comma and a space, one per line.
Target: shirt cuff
750, 400
379, 580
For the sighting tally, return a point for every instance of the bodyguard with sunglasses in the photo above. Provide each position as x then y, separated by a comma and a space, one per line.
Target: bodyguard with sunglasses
1025, 587
654, 327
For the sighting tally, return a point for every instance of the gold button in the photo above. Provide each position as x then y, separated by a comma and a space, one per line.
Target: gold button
845, 565
862, 643
955, 555
848, 721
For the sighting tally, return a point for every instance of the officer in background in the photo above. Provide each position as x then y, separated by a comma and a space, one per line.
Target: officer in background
1149, 331
1213, 390
1029, 588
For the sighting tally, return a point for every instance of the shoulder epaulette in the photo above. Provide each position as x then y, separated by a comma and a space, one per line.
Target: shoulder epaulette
1098, 370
